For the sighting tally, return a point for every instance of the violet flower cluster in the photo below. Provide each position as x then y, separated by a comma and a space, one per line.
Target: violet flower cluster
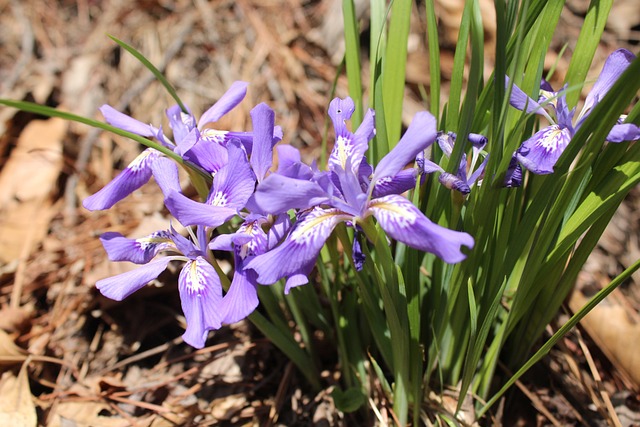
285, 215
467, 174
540, 153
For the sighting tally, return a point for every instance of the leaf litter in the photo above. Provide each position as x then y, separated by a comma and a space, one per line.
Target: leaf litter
72, 357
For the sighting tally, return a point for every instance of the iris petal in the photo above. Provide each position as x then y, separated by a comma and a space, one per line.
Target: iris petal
209, 155
138, 251
357, 255
236, 181
425, 165
349, 147
541, 152
242, 297
226, 103
404, 180
263, 119
522, 101
624, 132
613, 68
190, 212
299, 279
290, 163
478, 141
513, 177
341, 110
121, 286
402, 221
277, 194
165, 172
300, 248
367, 128
201, 296
130, 179
420, 134
453, 182
124, 122
278, 230
181, 123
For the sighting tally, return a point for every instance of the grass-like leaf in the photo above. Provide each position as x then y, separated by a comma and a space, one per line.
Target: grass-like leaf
157, 73
352, 58
573, 321
588, 40
394, 67
287, 344
434, 58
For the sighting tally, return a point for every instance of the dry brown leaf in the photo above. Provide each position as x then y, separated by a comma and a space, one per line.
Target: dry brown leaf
614, 332
84, 414
9, 352
16, 406
26, 183
224, 408
178, 415
226, 366
625, 14
13, 319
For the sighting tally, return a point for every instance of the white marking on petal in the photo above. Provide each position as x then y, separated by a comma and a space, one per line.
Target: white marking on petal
550, 138
258, 239
213, 135
342, 150
392, 212
157, 238
317, 222
196, 278
548, 97
220, 199
384, 180
140, 162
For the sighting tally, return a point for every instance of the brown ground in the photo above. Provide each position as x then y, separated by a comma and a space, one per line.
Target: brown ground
71, 357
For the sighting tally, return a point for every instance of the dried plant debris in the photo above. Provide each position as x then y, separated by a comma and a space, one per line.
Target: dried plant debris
72, 357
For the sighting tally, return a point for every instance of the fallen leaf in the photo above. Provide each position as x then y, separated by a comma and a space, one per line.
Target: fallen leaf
13, 319
27, 181
9, 352
616, 334
16, 406
224, 408
84, 414
227, 366
625, 14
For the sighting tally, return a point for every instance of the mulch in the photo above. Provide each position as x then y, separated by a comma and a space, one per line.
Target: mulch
69, 356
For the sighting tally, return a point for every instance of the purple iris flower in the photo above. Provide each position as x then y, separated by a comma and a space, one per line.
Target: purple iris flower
458, 181
513, 177
234, 183
339, 196
211, 157
247, 242
540, 153
232, 187
250, 240
205, 146
198, 284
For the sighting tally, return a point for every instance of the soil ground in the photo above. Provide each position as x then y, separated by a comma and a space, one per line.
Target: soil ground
70, 357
